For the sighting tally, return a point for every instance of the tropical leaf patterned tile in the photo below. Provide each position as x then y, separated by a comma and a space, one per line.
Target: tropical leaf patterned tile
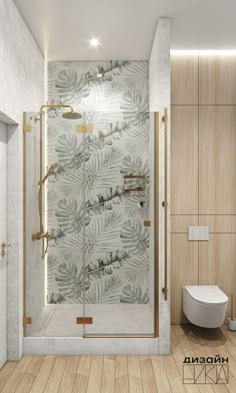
99, 251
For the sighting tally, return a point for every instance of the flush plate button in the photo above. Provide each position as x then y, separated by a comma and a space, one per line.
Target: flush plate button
198, 233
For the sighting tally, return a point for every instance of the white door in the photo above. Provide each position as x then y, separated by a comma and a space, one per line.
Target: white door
3, 162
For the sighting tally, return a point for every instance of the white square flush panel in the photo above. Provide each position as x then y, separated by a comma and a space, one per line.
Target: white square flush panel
198, 233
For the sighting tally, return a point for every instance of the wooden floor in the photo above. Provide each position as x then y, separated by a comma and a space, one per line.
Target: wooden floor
122, 374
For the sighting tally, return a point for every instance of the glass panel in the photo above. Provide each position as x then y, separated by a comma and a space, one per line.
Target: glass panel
119, 268
51, 279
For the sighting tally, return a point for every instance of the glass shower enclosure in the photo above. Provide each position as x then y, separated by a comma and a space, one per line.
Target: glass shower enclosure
90, 266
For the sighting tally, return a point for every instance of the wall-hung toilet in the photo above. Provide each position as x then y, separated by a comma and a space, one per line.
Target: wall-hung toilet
204, 305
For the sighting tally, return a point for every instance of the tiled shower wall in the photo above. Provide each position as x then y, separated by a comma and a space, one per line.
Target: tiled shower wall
107, 233
22, 89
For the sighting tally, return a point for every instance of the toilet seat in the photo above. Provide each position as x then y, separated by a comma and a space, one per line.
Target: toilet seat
207, 294
204, 305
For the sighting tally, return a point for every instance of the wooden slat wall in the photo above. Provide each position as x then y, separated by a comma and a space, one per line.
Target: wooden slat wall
184, 254
217, 160
217, 80
203, 177
184, 80
184, 154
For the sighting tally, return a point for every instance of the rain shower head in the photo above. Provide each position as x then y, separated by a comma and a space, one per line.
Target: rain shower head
72, 115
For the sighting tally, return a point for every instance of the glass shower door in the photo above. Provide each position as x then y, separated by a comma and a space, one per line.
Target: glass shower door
53, 298
118, 229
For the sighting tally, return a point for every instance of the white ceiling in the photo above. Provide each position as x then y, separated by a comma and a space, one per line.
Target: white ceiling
126, 28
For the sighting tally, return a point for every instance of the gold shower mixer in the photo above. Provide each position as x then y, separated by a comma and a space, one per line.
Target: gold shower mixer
39, 236
43, 236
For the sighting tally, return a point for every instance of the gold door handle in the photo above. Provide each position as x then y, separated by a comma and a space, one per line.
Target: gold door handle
4, 246
165, 203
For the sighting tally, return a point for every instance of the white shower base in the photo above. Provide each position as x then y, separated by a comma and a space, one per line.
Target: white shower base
112, 319
108, 319
90, 346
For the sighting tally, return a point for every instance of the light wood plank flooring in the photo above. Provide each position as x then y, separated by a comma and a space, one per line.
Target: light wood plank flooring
123, 374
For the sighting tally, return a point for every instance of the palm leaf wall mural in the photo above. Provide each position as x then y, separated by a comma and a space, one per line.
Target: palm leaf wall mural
52, 199
99, 242
135, 237
134, 293
108, 70
133, 209
55, 298
57, 235
105, 200
102, 170
107, 135
71, 281
52, 135
71, 248
69, 182
52, 264
137, 269
106, 265
104, 291
135, 77
135, 108
52, 74
71, 87
105, 102
102, 234
71, 217
56, 173
137, 140
70, 152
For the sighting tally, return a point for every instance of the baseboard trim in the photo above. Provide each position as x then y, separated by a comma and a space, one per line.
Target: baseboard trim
87, 346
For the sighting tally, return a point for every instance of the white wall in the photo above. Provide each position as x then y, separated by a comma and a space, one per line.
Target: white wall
21, 89
21, 65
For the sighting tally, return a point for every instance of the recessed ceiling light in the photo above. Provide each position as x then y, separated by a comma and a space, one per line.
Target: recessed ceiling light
99, 75
94, 42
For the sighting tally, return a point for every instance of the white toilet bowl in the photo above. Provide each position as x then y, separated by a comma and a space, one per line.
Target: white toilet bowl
204, 305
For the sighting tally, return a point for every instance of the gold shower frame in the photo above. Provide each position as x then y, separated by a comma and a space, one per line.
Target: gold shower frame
28, 128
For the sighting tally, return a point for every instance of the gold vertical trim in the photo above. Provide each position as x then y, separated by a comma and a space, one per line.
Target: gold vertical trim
156, 206
40, 195
41, 175
165, 120
24, 224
